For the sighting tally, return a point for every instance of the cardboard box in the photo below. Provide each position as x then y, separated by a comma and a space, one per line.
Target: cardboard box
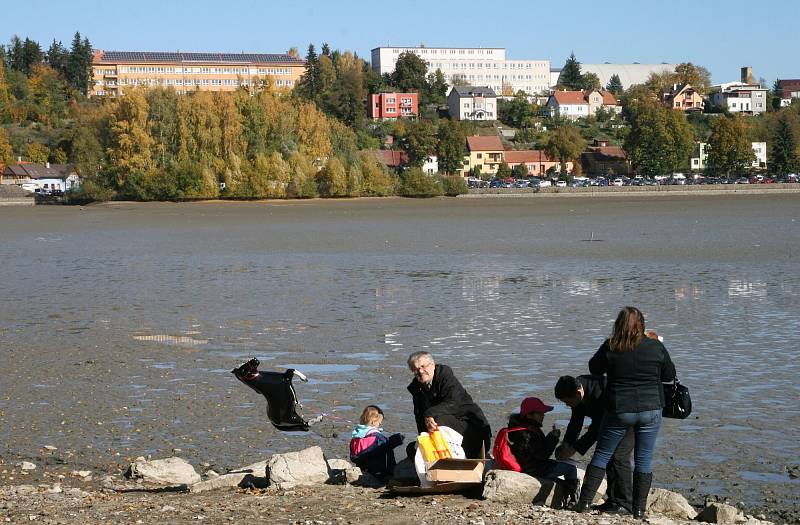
458, 470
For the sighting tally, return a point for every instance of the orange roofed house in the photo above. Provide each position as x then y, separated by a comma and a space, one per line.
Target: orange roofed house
483, 153
682, 97
114, 71
536, 160
581, 104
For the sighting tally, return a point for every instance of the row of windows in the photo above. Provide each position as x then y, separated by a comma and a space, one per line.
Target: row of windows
425, 51
197, 70
405, 111
496, 77
392, 100
488, 65
187, 82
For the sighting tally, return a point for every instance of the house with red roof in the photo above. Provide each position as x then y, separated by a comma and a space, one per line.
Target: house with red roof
581, 104
535, 160
484, 153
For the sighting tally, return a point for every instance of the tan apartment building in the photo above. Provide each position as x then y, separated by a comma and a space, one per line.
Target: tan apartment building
114, 71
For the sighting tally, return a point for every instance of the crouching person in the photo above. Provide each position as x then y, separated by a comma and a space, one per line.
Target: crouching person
532, 448
440, 400
370, 449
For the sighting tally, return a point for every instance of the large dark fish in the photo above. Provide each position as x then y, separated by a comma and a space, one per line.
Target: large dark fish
277, 388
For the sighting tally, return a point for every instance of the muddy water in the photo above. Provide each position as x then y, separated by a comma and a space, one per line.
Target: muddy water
119, 324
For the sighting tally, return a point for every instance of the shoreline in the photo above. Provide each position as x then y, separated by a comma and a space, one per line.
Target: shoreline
637, 191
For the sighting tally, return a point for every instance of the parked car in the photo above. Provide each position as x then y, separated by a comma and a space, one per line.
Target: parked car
545, 184
617, 182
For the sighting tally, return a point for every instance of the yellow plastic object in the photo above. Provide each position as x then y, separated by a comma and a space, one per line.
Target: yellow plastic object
440, 444
428, 449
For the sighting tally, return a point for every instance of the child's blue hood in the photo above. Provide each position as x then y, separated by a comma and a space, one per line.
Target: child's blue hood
362, 431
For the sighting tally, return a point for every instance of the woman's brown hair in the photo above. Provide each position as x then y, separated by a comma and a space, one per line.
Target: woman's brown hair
628, 330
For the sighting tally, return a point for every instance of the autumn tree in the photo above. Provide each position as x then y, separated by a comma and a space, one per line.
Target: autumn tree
696, 76
503, 171
37, 153
590, 82
784, 154
660, 139
6, 99
6, 150
375, 178
129, 151
332, 179
565, 144
730, 151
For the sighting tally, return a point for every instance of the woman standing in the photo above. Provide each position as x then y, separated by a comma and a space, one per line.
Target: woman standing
636, 366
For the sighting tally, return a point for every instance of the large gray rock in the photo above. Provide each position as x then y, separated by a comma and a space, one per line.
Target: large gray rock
306, 467
251, 476
720, 513
668, 503
505, 486
170, 471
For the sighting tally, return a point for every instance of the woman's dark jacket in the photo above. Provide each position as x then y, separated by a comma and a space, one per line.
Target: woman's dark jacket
634, 379
444, 397
531, 447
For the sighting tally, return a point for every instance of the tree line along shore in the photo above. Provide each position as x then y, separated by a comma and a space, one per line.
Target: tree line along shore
315, 140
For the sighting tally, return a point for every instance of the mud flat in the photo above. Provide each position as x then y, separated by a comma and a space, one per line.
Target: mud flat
119, 324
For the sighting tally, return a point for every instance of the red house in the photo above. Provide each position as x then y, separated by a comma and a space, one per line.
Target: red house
390, 106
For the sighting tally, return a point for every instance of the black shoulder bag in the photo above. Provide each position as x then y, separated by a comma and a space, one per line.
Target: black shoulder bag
678, 401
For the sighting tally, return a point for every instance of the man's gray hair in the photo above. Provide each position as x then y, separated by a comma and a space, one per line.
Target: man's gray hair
416, 356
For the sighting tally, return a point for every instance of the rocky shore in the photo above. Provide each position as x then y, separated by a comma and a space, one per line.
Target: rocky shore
305, 488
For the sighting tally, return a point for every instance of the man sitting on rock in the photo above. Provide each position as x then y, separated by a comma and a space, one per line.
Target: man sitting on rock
439, 399
585, 395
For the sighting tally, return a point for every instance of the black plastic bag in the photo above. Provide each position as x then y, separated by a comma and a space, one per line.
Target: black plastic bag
277, 388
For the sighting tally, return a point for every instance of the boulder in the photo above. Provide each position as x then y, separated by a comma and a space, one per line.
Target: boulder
505, 486
170, 471
344, 472
306, 467
26, 465
720, 513
668, 503
246, 477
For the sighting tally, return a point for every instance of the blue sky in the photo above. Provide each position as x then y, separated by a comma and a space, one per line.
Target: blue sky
722, 36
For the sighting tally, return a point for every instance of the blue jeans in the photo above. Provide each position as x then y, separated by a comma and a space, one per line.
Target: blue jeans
645, 427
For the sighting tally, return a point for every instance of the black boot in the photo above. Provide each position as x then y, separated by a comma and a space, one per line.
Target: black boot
591, 482
572, 488
641, 488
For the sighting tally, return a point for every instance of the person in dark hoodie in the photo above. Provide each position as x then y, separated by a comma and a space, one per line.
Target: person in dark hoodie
439, 399
585, 395
532, 448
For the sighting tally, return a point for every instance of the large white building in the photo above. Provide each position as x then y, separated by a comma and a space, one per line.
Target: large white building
474, 66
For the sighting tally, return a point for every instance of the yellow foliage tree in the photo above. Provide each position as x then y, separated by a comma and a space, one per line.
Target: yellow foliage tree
6, 150
332, 179
130, 141
313, 132
37, 153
